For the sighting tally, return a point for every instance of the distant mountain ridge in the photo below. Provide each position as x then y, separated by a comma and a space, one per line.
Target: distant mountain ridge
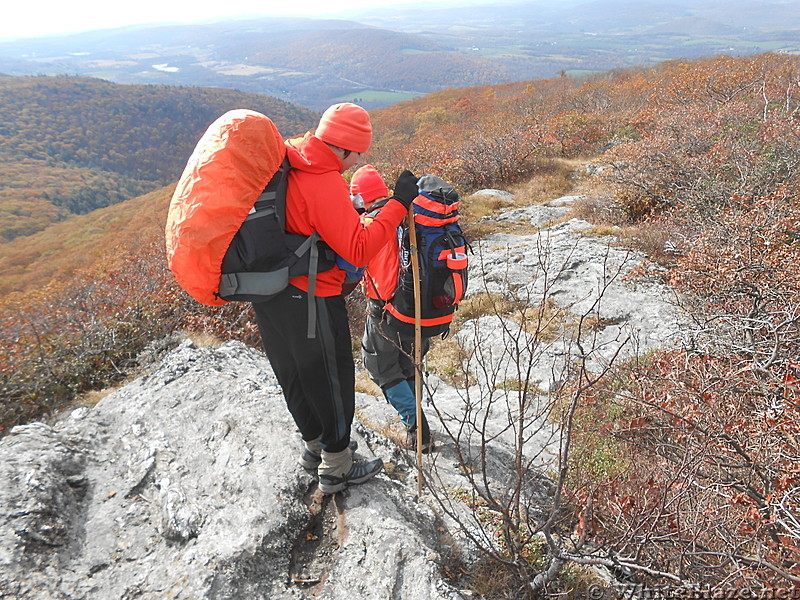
303, 61
379, 56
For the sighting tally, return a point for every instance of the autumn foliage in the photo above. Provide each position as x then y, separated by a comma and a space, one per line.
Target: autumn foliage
712, 497
87, 332
708, 151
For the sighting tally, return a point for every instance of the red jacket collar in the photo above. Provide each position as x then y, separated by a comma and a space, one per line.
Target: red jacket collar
312, 155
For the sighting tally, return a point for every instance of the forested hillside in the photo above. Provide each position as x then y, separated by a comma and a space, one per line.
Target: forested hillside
683, 461
69, 145
64, 248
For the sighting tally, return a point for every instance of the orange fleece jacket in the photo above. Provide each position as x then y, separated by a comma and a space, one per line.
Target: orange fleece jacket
318, 199
380, 277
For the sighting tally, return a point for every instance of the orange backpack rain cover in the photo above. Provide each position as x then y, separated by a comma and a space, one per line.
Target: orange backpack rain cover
229, 168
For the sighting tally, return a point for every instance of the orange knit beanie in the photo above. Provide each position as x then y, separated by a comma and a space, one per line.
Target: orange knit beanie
369, 184
347, 126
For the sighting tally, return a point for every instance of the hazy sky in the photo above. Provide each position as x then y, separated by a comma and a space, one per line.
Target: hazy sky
27, 18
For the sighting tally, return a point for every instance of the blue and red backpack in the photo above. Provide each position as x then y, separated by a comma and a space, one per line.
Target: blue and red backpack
442, 253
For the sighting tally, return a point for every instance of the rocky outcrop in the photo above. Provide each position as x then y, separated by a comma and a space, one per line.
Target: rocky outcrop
584, 274
185, 482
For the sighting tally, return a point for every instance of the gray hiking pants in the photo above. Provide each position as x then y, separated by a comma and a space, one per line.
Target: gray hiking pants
387, 355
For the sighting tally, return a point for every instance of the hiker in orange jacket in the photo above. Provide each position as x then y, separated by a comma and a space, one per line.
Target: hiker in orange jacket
387, 354
317, 374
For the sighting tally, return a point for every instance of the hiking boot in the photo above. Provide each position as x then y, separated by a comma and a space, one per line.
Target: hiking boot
310, 458
360, 471
411, 436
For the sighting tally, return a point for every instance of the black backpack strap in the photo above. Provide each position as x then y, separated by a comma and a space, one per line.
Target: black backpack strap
375, 207
310, 245
313, 265
280, 192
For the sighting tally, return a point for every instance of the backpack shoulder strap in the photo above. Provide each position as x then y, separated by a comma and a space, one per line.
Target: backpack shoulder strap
280, 191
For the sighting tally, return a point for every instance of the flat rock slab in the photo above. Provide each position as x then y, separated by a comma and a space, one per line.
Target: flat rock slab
185, 484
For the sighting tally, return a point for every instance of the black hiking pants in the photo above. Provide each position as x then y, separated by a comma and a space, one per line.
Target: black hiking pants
317, 375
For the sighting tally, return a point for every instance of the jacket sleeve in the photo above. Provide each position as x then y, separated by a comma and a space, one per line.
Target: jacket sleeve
380, 276
339, 225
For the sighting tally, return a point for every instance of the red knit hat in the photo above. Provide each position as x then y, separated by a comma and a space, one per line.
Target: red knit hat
369, 183
347, 126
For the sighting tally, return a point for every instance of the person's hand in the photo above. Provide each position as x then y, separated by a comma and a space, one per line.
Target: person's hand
405, 188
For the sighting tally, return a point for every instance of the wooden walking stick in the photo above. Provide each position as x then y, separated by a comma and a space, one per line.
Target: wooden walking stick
412, 244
